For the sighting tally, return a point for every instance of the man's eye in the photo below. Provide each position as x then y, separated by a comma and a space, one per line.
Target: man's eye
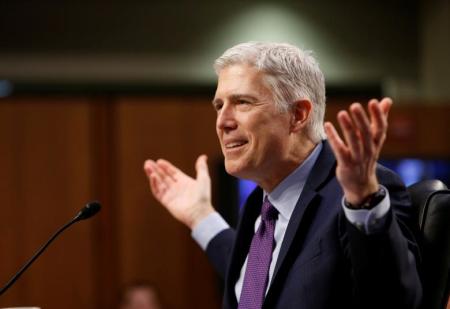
218, 107
243, 102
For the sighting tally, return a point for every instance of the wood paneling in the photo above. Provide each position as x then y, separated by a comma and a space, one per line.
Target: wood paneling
153, 245
58, 153
45, 180
103, 179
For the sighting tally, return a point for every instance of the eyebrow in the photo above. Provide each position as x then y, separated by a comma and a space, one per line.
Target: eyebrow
235, 97
243, 96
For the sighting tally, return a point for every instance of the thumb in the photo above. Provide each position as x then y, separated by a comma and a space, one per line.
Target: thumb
202, 170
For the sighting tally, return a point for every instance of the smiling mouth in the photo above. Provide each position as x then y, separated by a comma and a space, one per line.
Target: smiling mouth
235, 145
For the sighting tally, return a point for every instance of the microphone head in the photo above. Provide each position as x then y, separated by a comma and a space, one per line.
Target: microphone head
88, 211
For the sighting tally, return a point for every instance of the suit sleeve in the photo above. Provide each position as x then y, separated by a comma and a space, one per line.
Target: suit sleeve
219, 250
384, 264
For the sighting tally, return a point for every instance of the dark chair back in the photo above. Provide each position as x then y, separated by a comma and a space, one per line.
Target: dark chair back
431, 201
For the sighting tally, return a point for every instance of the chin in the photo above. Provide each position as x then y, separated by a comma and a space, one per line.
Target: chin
231, 168
237, 168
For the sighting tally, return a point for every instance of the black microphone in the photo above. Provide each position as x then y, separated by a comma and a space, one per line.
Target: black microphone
88, 211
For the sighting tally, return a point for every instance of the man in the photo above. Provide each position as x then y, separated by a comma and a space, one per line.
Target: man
327, 227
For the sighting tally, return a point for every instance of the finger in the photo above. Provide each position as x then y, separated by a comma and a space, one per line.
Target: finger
148, 169
380, 111
164, 175
161, 179
362, 124
202, 169
351, 137
337, 145
378, 115
171, 170
386, 105
154, 186
157, 185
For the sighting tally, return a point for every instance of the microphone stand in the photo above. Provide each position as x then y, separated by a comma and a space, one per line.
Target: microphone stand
87, 212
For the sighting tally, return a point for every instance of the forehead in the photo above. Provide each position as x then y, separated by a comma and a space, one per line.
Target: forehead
241, 79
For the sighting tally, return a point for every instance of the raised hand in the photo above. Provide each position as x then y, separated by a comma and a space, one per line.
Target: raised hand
187, 199
357, 154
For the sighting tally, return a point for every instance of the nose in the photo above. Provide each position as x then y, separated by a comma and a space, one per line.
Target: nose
226, 118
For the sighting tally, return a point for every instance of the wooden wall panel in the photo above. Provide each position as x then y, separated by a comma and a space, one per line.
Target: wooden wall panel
103, 179
153, 246
57, 153
45, 159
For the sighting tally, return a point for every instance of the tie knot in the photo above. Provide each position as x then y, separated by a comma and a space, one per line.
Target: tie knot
268, 212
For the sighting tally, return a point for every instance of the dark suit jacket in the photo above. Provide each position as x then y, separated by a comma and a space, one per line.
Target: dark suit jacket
325, 262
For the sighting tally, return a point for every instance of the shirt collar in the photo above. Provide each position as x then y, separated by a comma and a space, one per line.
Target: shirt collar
285, 196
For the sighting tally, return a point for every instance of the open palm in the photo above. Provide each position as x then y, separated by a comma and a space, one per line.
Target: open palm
357, 154
186, 198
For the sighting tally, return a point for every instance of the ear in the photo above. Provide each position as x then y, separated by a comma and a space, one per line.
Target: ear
301, 111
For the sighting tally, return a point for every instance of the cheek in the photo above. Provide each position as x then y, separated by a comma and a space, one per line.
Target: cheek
217, 129
270, 142
219, 136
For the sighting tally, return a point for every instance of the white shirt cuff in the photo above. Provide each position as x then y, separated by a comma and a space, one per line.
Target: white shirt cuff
208, 228
372, 220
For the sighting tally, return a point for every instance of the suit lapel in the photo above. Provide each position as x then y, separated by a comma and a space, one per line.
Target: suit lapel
245, 231
298, 225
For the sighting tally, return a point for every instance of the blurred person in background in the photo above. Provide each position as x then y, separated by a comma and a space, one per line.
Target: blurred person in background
140, 295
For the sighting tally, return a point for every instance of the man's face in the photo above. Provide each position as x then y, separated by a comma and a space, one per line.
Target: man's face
253, 133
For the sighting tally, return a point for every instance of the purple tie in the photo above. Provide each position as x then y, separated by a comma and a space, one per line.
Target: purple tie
257, 272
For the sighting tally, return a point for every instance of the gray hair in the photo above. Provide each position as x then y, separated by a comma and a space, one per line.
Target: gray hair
292, 74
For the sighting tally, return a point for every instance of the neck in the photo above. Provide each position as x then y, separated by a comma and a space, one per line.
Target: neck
298, 153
